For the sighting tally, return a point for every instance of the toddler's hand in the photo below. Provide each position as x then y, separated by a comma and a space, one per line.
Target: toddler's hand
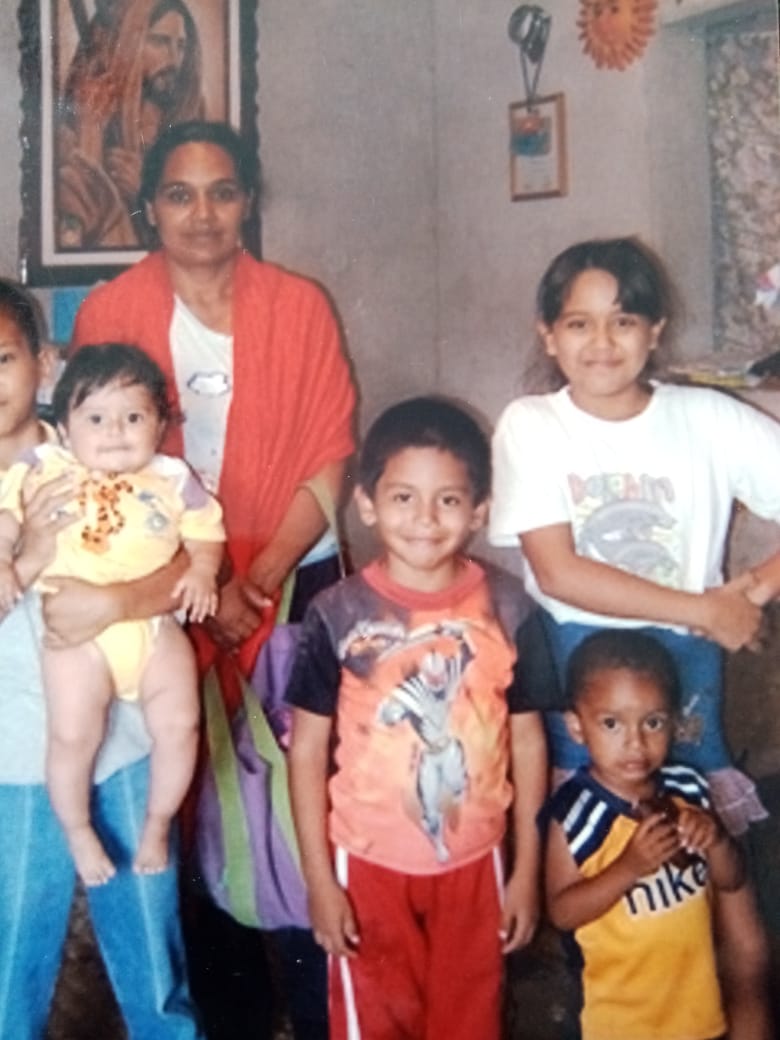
654, 842
198, 595
698, 829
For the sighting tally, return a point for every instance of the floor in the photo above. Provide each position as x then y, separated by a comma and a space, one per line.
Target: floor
539, 1001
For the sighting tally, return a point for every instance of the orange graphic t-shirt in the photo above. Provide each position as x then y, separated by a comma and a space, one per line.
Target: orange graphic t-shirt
417, 684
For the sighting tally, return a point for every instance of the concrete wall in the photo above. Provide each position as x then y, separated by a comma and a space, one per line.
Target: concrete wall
384, 138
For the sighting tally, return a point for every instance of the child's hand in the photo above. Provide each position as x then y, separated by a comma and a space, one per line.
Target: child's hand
520, 913
10, 590
198, 594
728, 615
47, 510
333, 921
654, 842
698, 830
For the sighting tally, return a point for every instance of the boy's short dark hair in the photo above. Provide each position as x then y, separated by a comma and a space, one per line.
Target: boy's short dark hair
612, 648
426, 422
23, 310
95, 366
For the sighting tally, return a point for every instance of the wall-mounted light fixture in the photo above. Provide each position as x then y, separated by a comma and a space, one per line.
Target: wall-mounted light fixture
529, 29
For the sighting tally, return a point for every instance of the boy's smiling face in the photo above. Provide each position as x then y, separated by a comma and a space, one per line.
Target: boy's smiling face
20, 373
424, 513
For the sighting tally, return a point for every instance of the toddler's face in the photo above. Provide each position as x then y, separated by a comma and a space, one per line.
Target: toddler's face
624, 720
115, 429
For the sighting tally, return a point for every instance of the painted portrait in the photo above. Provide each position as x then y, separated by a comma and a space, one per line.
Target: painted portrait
111, 75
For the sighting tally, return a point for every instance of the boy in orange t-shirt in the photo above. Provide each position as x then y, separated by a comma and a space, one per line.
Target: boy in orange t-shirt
410, 661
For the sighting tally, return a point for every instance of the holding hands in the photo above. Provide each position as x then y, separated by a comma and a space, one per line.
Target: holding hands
730, 615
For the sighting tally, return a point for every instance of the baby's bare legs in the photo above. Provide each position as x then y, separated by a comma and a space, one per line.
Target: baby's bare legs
78, 692
169, 695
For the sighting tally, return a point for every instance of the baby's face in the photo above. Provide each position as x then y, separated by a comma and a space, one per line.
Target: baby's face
116, 429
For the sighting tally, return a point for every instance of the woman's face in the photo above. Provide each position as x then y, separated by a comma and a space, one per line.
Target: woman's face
199, 206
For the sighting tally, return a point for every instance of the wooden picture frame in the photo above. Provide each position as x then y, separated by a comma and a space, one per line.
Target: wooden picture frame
98, 82
537, 148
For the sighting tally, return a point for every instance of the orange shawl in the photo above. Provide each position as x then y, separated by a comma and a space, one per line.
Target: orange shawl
291, 411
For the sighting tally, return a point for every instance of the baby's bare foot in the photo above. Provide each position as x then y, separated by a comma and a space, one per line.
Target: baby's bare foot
152, 855
93, 865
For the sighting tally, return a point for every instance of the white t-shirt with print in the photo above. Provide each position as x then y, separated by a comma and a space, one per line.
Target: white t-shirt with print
651, 495
203, 369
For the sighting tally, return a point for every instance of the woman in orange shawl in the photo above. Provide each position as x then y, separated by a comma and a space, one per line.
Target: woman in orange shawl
253, 354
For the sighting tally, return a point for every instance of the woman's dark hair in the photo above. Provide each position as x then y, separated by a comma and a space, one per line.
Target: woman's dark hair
23, 311
642, 283
426, 422
98, 365
198, 131
613, 648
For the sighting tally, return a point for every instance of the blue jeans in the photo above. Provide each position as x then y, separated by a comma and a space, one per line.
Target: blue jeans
135, 917
700, 742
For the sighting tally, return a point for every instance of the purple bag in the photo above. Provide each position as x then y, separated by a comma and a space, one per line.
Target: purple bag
244, 835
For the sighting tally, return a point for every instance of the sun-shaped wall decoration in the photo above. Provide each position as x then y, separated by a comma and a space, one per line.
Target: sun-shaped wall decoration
616, 32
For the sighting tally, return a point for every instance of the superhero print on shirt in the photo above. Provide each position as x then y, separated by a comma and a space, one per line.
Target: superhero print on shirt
434, 659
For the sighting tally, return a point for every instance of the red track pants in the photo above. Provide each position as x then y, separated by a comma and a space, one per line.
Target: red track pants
429, 963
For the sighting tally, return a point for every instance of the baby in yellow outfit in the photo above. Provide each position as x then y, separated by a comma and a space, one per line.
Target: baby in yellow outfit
132, 511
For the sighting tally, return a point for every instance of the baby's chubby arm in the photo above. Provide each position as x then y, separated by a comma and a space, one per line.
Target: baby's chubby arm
196, 589
332, 916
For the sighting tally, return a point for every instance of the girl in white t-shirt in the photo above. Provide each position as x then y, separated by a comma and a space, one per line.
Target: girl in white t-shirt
620, 492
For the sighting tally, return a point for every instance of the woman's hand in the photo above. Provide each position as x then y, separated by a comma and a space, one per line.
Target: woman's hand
75, 611
236, 618
265, 576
